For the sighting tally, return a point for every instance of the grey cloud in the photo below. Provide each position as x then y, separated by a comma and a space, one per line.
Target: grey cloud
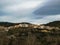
51, 7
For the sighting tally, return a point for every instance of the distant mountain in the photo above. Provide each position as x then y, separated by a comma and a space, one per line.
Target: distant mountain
55, 24
7, 24
52, 24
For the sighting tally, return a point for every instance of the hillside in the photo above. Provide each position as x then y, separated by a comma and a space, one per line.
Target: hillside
53, 24
7, 24
28, 35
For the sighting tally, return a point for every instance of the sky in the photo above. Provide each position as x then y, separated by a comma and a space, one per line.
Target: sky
33, 11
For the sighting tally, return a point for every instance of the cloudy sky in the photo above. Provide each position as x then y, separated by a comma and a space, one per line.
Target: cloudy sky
34, 11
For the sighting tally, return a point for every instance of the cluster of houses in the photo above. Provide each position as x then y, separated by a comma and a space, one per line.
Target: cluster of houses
34, 26
28, 25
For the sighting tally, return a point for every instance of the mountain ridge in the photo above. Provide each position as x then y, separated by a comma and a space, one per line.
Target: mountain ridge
53, 24
7, 24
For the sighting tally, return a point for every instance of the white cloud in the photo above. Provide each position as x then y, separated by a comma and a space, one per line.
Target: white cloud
22, 6
21, 11
18, 12
15, 19
31, 20
47, 19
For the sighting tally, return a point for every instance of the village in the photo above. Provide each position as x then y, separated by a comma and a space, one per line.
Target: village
28, 34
